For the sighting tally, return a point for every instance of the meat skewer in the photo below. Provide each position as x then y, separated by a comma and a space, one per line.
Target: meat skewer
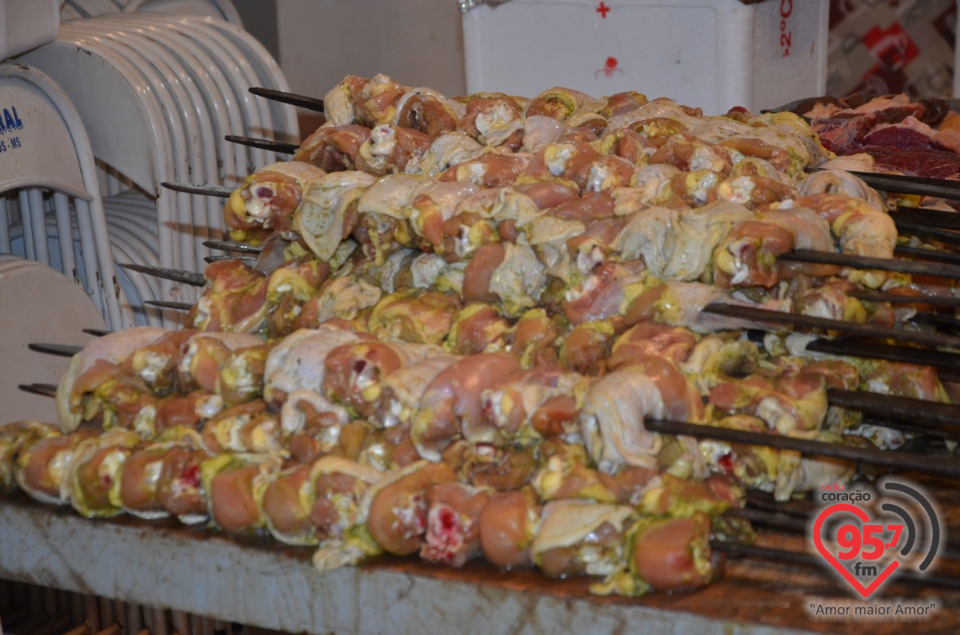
203, 190
866, 262
940, 188
60, 350
279, 147
921, 230
167, 304
44, 390
932, 217
948, 364
921, 253
862, 330
228, 245
303, 101
947, 302
890, 406
247, 260
885, 458
186, 277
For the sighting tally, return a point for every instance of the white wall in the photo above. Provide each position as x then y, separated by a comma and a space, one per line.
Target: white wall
416, 42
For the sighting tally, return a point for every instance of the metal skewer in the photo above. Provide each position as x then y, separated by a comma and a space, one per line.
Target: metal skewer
264, 144
302, 101
852, 328
947, 364
940, 188
186, 277
932, 255
166, 304
44, 390
203, 190
897, 460
945, 302
938, 218
881, 264
59, 350
228, 245
247, 260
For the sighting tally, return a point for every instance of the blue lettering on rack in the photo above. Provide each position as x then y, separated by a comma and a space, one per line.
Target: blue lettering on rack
10, 120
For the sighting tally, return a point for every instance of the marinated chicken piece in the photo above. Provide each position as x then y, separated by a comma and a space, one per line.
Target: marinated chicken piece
327, 212
679, 245
534, 337
231, 482
403, 389
157, 363
203, 354
791, 405
42, 467
297, 363
345, 300
234, 299
585, 349
14, 437
611, 420
398, 506
651, 339
390, 149
446, 151
180, 487
451, 404
139, 479
241, 374
415, 316
494, 119
269, 197
453, 523
355, 372
518, 407
333, 148
479, 328
581, 538
432, 206
508, 524
665, 555
860, 229
488, 170
113, 348
92, 479
429, 112
605, 293
566, 473
248, 427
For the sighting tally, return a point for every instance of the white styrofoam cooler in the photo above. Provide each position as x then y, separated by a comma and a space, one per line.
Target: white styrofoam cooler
712, 54
27, 24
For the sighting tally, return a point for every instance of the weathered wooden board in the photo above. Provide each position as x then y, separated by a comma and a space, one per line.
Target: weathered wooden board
162, 563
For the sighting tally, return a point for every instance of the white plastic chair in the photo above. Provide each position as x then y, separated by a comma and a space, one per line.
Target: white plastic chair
110, 99
53, 153
38, 304
222, 9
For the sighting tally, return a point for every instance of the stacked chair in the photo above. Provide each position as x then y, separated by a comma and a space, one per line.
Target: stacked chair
100, 103
158, 86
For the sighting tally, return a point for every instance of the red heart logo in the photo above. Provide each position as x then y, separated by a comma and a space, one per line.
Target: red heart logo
829, 557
